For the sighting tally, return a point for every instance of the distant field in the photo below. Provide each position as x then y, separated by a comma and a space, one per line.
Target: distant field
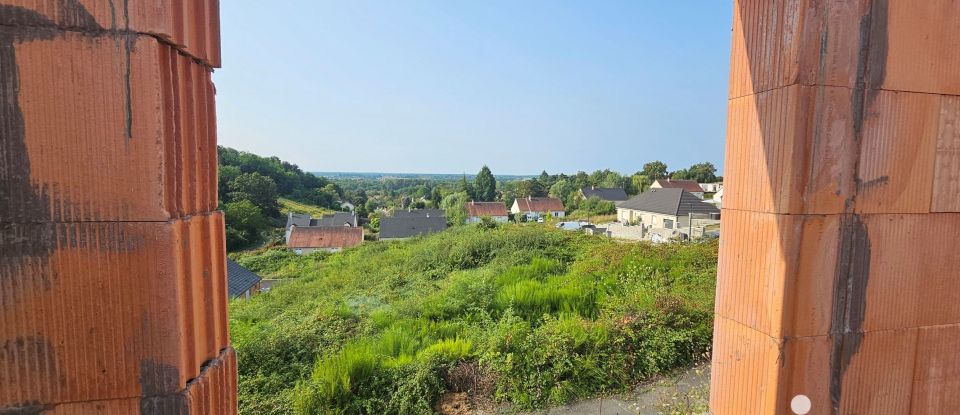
428, 176
287, 205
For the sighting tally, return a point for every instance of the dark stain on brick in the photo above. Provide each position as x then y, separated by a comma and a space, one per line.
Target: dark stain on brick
26, 408
158, 379
849, 300
28, 357
164, 405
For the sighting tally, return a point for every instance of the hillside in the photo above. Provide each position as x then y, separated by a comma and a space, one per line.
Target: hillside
522, 315
287, 205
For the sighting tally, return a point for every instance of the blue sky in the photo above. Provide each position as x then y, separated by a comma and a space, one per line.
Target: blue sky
447, 86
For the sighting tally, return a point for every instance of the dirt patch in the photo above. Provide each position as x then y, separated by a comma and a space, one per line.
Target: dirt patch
454, 403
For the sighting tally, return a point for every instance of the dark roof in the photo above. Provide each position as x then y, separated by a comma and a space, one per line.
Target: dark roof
335, 219
419, 213
239, 279
688, 185
405, 227
325, 237
298, 219
539, 204
614, 194
677, 202
478, 209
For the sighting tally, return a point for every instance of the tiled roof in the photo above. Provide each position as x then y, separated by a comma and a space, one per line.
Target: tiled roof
614, 194
540, 204
239, 279
405, 227
688, 185
335, 219
676, 202
325, 237
487, 209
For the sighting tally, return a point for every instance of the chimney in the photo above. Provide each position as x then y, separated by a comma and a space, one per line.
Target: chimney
529, 197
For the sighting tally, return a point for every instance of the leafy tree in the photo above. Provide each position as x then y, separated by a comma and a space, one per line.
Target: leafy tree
258, 189
244, 223
703, 172
227, 174
655, 170
564, 190
682, 174
455, 207
597, 206
485, 185
638, 183
531, 187
464, 187
436, 197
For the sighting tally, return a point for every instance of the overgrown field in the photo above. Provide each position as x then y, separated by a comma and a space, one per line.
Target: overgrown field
523, 315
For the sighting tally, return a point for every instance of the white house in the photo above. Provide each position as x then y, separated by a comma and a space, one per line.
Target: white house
535, 207
493, 210
689, 185
665, 209
711, 187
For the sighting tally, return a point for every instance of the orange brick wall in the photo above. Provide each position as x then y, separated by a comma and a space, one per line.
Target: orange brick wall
839, 273
112, 264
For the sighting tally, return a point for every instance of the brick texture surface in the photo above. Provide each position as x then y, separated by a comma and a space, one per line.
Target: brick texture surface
112, 255
837, 275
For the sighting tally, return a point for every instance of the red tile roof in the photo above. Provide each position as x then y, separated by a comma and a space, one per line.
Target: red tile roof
540, 204
487, 209
325, 237
689, 185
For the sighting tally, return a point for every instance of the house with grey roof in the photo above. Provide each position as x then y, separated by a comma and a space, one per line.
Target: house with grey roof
668, 209
402, 227
241, 282
612, 194
301, 220
418, 213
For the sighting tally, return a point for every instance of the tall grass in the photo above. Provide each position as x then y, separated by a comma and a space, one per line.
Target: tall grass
546, 316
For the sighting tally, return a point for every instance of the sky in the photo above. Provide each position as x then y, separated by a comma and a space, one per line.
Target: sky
447, 86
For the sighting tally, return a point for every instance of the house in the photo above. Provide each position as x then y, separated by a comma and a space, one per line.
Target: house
493, 210
241, 282
711, 187
664, 209
306, 221
612, 194
718, 197
535, 207
418, 213
304, 240
689, 185
392, 228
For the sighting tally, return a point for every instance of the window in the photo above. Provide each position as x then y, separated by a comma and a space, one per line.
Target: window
668, 223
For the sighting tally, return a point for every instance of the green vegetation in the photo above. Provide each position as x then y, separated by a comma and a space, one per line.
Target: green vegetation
287, 205
539, 316
250, 187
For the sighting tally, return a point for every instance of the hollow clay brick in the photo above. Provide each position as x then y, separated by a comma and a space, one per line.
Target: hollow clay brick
102, 310
790, 150
107, 128
192, 26
798, 42
783, 288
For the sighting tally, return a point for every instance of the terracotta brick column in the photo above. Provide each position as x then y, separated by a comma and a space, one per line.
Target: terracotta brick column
112, 268
839, 275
